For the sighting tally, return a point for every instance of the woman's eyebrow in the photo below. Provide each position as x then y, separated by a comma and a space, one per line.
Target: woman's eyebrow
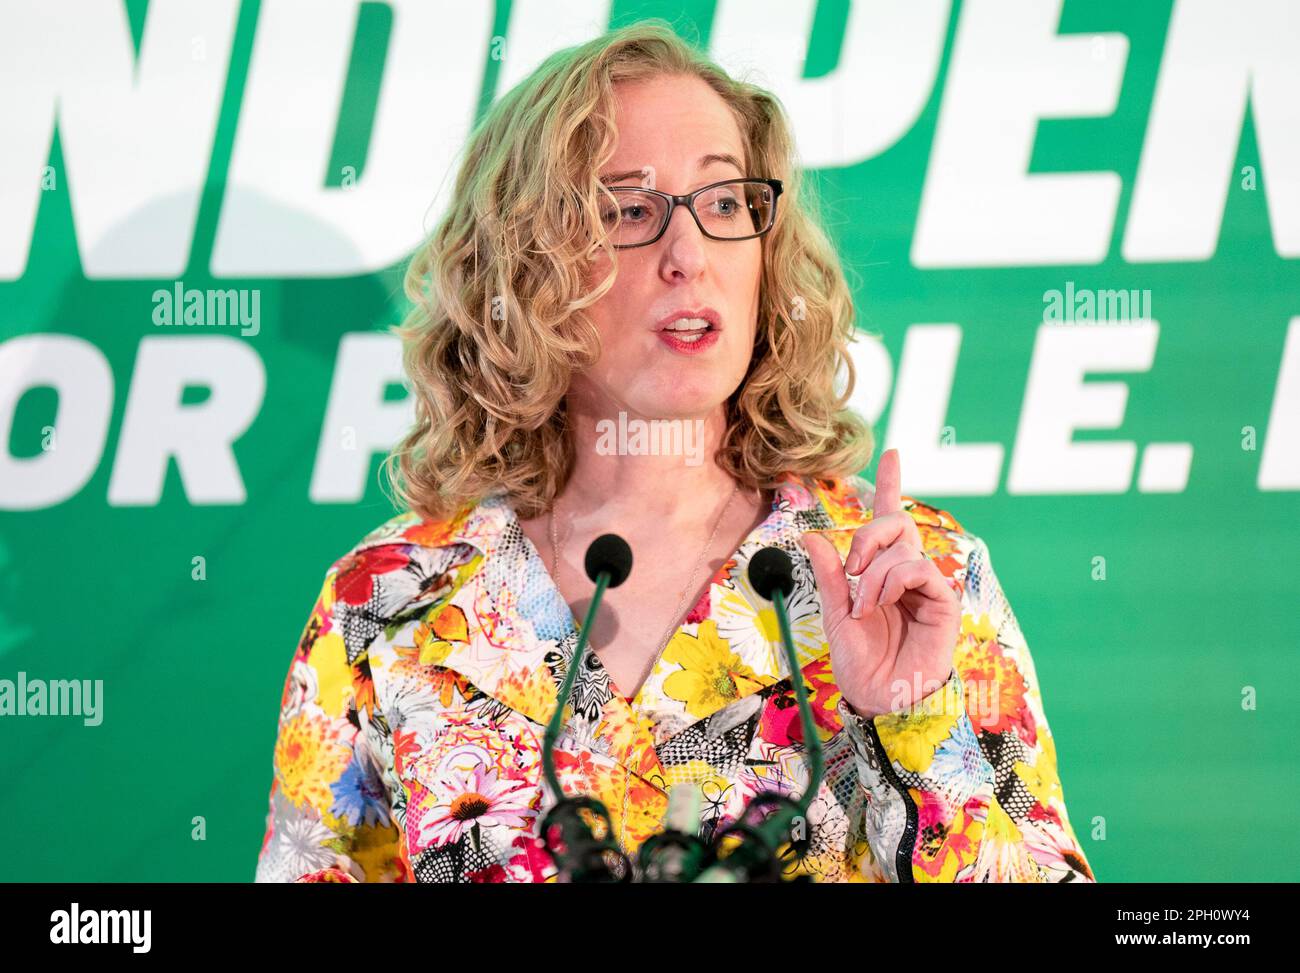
704, 163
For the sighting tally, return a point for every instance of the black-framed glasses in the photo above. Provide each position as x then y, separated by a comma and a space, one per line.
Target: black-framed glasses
734, 209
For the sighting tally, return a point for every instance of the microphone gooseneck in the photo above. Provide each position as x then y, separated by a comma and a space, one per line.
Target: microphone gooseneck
771, 575
608, 563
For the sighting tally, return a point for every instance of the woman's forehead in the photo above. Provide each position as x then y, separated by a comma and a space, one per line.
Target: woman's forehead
674, 111
669, 154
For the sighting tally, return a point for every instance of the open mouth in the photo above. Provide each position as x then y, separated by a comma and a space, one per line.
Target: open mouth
688, 330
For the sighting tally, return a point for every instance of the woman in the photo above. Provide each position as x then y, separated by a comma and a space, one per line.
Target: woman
568, 312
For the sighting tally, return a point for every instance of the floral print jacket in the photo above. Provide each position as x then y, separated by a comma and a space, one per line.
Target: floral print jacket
411, 724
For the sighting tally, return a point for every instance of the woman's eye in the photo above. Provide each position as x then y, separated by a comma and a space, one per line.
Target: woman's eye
626, 214
727, 207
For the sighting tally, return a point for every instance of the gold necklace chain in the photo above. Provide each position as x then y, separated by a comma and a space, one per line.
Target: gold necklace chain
663, 641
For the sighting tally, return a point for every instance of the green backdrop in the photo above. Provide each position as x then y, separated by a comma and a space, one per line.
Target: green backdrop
1160, 607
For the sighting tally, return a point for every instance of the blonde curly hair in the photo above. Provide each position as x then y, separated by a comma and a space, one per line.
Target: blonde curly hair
498, 323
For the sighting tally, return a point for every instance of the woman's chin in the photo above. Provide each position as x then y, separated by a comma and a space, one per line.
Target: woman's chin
677, 406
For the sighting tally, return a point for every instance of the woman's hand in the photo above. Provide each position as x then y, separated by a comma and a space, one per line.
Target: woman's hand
885, 657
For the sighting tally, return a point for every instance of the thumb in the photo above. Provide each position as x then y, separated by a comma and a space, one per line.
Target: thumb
828, 569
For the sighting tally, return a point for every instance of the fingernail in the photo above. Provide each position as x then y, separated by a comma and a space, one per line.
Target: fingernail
852, 566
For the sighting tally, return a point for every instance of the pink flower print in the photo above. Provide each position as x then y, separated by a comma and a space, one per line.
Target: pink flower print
476, 798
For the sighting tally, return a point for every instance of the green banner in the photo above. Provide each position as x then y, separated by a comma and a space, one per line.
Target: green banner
1072, 229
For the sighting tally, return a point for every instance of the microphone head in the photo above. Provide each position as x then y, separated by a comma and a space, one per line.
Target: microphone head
609, 552
771, 569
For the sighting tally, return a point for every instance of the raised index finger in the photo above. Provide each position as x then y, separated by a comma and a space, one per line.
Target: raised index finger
887, 499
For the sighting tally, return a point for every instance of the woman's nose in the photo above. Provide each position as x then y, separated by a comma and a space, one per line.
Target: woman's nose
684, 244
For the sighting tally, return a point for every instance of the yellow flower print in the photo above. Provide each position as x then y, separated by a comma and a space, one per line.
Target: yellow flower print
995, 689
435, 635
530, 691
1003, 857
937, 541
310, 757
646, 805
334, 681
374, 848
629, 733
911, 737
711, 675
999, 827
1041, 779
981, 629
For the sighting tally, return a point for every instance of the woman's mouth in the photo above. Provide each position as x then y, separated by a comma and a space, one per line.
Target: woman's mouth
689, 335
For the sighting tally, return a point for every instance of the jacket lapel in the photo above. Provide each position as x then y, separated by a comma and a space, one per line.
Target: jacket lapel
733, 665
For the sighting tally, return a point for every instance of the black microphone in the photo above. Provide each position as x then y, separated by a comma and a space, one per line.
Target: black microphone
609, 553
608, 563
770, 569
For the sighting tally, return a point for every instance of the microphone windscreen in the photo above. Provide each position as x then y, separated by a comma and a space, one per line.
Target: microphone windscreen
609, 552
771, 569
